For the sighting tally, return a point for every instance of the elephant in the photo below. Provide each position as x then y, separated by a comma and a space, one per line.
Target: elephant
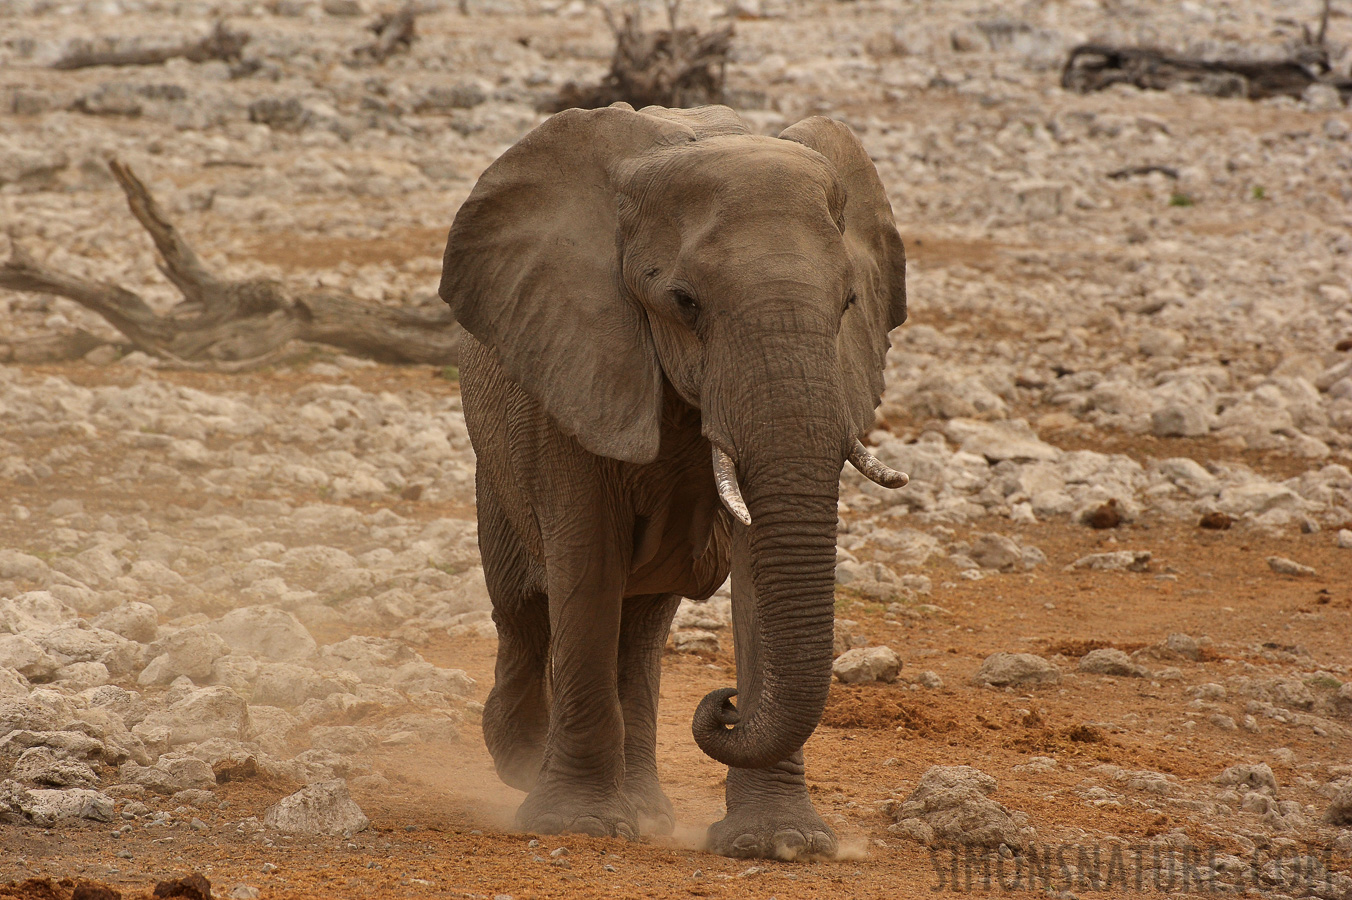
675, 337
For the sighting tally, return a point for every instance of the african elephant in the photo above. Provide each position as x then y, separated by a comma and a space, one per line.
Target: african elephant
663, 311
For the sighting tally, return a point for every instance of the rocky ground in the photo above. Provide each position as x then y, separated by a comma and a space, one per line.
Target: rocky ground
243, 628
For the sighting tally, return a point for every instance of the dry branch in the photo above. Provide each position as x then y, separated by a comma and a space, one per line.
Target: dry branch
395, 33
231, 325
222, 44
675, 67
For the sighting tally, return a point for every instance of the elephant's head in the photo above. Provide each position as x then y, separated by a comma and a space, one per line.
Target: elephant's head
612, 250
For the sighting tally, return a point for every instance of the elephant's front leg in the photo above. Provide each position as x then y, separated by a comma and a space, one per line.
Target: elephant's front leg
769, 814
581, 781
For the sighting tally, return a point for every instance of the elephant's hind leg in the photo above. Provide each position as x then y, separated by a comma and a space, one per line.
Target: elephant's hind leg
581, 783
644, 625
516, 714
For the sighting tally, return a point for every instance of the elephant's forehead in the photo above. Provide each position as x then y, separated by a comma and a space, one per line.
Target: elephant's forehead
735, 168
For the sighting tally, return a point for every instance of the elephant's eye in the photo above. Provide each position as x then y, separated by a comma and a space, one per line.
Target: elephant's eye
687, 304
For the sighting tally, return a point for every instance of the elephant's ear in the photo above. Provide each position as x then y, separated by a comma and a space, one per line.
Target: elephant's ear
531, 270
878, 258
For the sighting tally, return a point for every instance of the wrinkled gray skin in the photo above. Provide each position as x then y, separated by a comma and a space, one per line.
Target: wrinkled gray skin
638, 285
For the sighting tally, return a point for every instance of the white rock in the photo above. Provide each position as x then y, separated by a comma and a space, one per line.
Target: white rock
42, 766
81, 676
49, 806
1162, 342
190, 651
21, 654
1109, 661
265, 632
695, 640
710, 615
867, 664
324, 807
1000, 669
81, 642
344, 739
289, 685
904, 546
1344, 539
1181, 420
369, 658
204, 713
1011, 439
420, 675
155, 573
951, 807
1118, 560
33, 611
1283, 566
270, 727
170, 774
134, 621
1190, 476
996, 551
12, 684
16, 564
1255, 776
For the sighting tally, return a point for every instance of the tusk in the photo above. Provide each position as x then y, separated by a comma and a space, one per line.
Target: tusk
725, 476
874, 470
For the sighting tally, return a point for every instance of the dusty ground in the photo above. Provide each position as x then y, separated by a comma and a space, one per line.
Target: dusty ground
1030, 270
442, 825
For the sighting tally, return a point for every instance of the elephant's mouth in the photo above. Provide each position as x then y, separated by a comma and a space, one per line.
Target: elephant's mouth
725, 477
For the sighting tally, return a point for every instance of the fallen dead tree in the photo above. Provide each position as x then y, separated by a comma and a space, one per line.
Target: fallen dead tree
221, 43
674, 67
223, 325
1094, 67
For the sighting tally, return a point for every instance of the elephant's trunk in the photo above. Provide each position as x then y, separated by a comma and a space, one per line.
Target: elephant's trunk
788, 459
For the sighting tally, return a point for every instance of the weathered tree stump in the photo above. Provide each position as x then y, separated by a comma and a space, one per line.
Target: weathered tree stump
674, 67
232, 325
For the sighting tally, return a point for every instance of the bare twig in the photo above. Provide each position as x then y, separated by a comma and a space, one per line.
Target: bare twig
221, 43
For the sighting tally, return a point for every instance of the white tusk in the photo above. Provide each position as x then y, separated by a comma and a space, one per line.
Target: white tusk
874, 470
725, 476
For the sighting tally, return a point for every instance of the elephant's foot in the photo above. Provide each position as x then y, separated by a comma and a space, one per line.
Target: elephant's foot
773, 828
559, 810
655, 812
